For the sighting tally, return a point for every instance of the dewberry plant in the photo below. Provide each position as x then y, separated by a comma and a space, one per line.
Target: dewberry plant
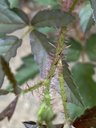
61, 34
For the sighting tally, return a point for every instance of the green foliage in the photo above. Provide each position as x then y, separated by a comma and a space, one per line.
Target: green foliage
52, 18
91, 47
75, 49
53, 3
93, 4
85, 15
21, 14
9, 20
7, 43
73, 52
8, 49
40, 54
46, 30
75, 110
69, 81
4, 3
45, 114
86, 86
13, 3
46, 43
26, 71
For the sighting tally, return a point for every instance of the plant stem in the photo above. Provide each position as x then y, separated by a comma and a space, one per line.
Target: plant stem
38, 85
59, 49
30, 29
62, 90
73, 5
47, 81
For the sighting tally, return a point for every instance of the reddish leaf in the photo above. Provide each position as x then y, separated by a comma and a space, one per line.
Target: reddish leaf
87, 120
9, 110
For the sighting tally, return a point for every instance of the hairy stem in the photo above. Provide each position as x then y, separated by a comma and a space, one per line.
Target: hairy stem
38, 85
59, 49
47, 81
62, 90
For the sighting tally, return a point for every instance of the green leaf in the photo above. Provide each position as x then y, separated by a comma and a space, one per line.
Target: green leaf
13, 3
73, 52
8, 49
46, 43
46, 30
69, 80
41, 48
74, 110
7, 43
9, 20
85, 15
93, 5
28, 70
52, 18
4, 3
50, 33
21, 14
83, 76
53, 3
91, 47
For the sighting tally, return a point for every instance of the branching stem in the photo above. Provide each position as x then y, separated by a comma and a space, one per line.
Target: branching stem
30, 29
47, 81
